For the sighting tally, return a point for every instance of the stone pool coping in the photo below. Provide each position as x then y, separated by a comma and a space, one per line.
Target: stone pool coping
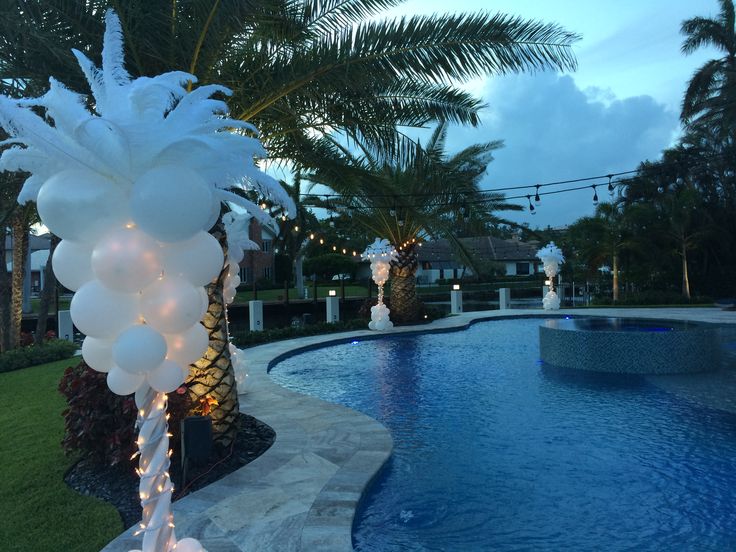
302, 493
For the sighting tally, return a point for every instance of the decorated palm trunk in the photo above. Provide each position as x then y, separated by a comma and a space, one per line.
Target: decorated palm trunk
405, 304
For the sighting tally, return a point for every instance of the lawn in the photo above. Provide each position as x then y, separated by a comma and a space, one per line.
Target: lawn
40, 513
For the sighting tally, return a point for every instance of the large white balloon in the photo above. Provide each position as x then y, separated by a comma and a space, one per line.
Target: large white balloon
121, 382
101, 312
97, 353
199, 259
171, 305
71, 262
171, 203
167, 377
205, 302
127, 260
189, 346
139, 349
189, 545
80, 205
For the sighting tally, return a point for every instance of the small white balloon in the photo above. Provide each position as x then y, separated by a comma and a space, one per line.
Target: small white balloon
80, 205
97, 353
228, 294
167, 377
189, 545
235, 255
72, 264
171, 203
189, 346
139, 349
199, 259
171, 305
234, 281
101, 312
121, 382
126, 259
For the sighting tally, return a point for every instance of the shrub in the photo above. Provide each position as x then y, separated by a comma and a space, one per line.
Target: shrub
100, 425
23, 357
652, 297
246, 339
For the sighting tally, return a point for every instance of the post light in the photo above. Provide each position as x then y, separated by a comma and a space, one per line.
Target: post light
456, 286
456, 300
332, 304
332, 293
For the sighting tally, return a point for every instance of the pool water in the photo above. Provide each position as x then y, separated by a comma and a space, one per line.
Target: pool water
495, 451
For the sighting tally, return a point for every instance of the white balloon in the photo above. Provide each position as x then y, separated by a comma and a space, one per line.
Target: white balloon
101, 312
214, 215
167, 377
171, 203
127, 260
205, 305
121, 382
228, 294
189, 545
139, 349
199, 259
234, 281
97, 353
71, 262
235, 255
80, 205
171, 305
188, 346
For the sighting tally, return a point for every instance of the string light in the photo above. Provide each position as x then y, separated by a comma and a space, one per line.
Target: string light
537, 199
610, 185
531, 205
595, 195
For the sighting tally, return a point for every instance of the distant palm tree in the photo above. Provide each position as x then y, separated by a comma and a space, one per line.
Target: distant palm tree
417, 193
711, 94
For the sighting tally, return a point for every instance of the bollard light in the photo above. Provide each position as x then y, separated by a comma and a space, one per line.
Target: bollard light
332, 293
455, 287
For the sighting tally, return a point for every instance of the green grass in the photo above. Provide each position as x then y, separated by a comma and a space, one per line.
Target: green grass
351, 290
64, 303
39, 512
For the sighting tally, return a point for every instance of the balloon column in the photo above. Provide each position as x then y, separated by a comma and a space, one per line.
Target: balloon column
380, 253
552, 257
132, 189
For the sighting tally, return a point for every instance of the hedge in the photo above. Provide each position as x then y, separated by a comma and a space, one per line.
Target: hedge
23, 357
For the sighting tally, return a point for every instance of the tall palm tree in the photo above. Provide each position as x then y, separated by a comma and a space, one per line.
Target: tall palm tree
298, 69
414, 194
711, 94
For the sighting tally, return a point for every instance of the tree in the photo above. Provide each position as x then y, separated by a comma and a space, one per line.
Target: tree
710, 98
297, 70
414, 194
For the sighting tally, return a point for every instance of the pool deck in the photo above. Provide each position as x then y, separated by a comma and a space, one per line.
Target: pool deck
302, 493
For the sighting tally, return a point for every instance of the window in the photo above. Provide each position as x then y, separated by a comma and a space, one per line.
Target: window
522, 268
268, 272
245, 275
266, 246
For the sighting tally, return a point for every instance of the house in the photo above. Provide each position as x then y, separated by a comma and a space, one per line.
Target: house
259, 264
438, 260
39, 255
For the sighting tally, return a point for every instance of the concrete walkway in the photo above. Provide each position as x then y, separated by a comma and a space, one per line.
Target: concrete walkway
302, 493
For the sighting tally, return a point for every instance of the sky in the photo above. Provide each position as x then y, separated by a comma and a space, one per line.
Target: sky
619, 108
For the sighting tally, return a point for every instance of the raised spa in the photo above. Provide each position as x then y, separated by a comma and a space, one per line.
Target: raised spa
631, 346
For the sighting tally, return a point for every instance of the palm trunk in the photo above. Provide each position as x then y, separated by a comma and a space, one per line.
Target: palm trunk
5, 294
213, 375
47, 294
615, 277
405, 305
685, 278
19, 225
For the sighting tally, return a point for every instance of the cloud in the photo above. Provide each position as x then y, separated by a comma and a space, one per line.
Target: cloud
553, 130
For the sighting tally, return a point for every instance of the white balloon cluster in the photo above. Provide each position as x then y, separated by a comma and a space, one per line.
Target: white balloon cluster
380, 253
552, 257
132, 189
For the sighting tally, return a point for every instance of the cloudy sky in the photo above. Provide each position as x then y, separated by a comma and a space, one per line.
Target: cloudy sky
619, 108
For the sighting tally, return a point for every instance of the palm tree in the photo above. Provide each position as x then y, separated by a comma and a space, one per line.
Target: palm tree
298, 69
711, 94
415, 194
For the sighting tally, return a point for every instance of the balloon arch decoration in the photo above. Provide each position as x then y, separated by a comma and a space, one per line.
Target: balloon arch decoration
132, 189
380, 254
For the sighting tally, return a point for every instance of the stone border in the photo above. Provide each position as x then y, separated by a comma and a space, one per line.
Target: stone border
302, 493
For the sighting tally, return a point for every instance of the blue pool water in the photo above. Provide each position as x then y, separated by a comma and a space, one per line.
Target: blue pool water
495, 451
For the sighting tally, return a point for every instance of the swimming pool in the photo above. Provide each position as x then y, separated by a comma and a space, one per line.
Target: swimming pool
495, 451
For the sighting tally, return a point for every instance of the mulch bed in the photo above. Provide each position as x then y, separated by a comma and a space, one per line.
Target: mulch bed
118, 485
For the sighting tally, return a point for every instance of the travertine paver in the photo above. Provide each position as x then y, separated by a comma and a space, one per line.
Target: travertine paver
301, 494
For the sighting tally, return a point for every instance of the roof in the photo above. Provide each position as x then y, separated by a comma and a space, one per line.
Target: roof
37, 243
486, 248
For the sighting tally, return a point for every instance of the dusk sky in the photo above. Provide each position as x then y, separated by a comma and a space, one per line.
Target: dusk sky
619, 108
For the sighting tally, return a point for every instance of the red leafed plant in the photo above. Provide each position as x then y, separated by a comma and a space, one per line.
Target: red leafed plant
100, 425
204, 408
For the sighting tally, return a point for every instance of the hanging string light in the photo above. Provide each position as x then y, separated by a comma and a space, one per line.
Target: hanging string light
595, 195
531, 205
537, 199
610, 185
